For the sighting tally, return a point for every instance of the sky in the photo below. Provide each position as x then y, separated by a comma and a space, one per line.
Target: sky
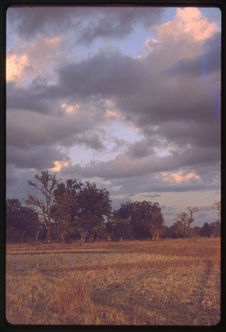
126, 97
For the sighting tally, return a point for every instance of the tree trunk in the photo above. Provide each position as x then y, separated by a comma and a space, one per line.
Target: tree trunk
48, 234
36, 235
157, 234
83, 236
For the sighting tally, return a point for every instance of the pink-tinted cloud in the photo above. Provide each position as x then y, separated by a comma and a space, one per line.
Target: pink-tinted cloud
70, 109
29, 60
15, 67
111, 114
149, 44
59, 165
178, 177
188, 22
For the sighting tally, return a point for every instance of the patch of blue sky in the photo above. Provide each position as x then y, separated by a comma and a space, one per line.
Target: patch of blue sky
11, 37
82, 156
132, 44
115, 130
213, 14
168, 14
121, 131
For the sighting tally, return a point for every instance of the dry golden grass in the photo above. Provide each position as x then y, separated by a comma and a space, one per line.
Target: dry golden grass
168, 282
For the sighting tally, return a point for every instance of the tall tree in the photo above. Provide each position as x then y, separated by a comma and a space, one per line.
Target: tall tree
94, 209
145, 218
45, 184
205, 230
186, 218
21, 222
157, 221
65, 208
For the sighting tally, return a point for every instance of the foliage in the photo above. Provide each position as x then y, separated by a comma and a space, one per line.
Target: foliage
72, 210
94, 208
120, 229
21, 222
45, 184
144, 218
185, 219
65, 208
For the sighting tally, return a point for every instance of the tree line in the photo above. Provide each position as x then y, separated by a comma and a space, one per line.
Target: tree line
72, 210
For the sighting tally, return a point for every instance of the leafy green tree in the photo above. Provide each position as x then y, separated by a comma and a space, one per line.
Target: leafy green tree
195, 231
45, 184
164, 232
94, 209
205, 230
121, 229
157, 221
177, 230
65, 209
21, 222
215, 228
145, 218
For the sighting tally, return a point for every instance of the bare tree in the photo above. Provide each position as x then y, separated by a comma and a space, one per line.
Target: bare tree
186, 218
191, 210
45, 184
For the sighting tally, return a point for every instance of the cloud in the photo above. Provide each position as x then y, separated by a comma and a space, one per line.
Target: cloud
206, 63
123, 166
69, 109
90, 23
111, 114
195, 24
15, 66
188, 23
178, 177
35, 157
168, 95
59, 165
26, 61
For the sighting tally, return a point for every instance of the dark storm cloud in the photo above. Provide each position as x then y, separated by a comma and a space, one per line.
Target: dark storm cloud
180, 113
29, 98
42, 137
30, 21
139, 149
208, 62
26, 129
125, 167
192, 132
152, 183
118, 22
181, 120
91, 140
88, 23
170, 110
38, 157
107, 74
144, 94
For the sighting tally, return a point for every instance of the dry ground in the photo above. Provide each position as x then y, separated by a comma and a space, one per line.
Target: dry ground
167, 282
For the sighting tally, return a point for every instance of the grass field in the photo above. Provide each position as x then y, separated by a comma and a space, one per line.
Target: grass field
167, 282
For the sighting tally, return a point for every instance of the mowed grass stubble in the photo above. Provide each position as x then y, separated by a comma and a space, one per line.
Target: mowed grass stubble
167, 282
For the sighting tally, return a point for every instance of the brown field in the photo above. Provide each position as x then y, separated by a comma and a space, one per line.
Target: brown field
166, 282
